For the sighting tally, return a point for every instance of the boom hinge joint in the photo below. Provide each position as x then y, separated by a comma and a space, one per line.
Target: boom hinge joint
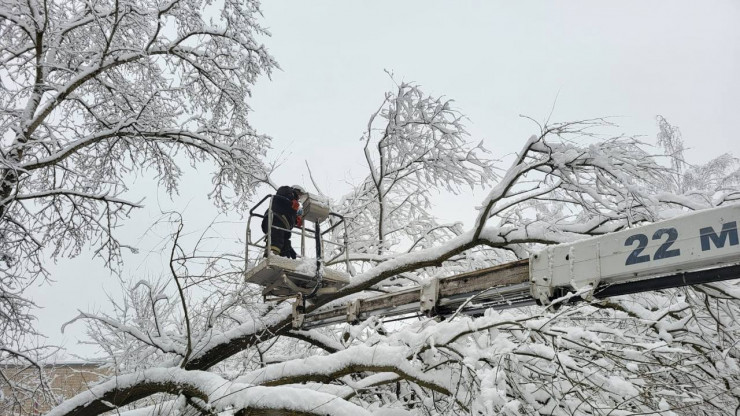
429, 297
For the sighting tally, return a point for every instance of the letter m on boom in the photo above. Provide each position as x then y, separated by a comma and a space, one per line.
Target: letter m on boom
729, 230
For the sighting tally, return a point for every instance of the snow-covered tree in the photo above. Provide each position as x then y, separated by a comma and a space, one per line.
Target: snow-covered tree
669, 352
415, 146
721, 174
92, 91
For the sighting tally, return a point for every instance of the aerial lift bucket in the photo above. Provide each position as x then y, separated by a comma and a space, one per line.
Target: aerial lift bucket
307, 277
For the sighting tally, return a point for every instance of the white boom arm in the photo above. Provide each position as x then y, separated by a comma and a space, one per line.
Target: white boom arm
698, 240
696, 248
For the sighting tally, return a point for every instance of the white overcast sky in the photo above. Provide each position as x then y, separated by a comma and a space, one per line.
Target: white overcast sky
630, 60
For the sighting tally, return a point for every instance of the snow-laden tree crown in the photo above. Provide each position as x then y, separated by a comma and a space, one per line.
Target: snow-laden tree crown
92, 91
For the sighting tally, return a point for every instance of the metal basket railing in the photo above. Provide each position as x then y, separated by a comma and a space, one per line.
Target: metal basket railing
315, 233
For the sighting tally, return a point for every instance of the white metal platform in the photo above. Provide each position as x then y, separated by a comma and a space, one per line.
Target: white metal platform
282, 277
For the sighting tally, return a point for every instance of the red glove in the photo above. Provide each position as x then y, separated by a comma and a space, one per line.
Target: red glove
296, 205
298, 221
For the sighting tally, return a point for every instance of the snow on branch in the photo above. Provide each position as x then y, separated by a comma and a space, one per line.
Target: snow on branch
317, 339
161, 342
353, 360
217, 393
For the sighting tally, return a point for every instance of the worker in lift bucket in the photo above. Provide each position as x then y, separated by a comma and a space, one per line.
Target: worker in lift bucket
286, 214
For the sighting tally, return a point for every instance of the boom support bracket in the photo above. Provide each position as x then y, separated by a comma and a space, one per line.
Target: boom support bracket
353, 311
298, 312
429, 297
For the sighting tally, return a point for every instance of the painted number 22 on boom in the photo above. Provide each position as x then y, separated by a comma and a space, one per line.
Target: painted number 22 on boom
708, 238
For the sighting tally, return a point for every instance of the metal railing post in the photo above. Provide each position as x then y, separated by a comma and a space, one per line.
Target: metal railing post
269, 229
247, 241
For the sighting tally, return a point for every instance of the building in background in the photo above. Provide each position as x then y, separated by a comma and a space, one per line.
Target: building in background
66, 379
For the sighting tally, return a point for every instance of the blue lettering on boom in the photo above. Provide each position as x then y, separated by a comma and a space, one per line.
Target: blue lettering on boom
729, 231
